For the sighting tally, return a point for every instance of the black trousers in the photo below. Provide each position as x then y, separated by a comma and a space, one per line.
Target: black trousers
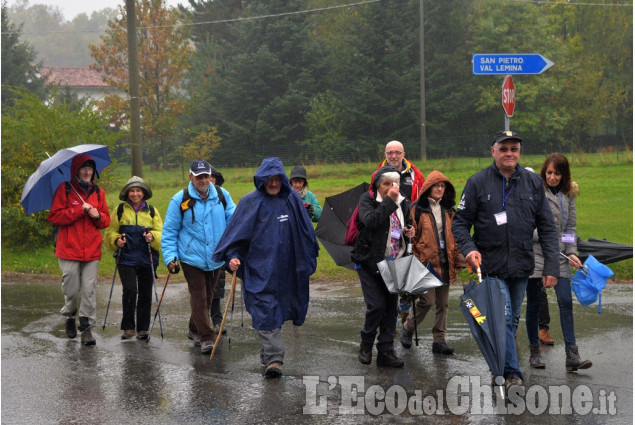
137, 295
381, 310
543, 310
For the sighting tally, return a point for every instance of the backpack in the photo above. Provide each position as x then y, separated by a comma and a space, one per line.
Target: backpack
56, 229
352, 228
188, 202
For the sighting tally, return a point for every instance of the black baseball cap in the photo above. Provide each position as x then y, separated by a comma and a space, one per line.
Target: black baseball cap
200, 166
502, 136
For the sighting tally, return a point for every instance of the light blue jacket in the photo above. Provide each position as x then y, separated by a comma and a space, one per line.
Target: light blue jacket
194, 243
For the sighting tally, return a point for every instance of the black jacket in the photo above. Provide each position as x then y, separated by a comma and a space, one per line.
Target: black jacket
506, 250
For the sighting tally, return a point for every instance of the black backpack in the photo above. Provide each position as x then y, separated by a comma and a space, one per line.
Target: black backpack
120, 211
188, 202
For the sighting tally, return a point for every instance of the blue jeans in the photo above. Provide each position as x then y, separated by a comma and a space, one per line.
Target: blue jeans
565, 304
514, 290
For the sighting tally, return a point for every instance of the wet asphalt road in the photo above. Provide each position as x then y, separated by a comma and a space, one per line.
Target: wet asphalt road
49, 379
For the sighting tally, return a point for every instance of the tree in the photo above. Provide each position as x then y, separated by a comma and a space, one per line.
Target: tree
164, 53
30, 128
18, 67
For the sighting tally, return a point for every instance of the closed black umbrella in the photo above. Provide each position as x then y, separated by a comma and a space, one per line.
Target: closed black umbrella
332, 226
604, 251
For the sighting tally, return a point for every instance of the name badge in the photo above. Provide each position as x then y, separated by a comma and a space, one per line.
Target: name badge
395, 234
442, 244
501, 218
568, 238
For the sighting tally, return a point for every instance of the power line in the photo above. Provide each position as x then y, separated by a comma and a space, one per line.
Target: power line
221, 21
568, 3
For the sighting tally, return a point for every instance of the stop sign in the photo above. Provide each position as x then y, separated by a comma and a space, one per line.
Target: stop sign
508, 96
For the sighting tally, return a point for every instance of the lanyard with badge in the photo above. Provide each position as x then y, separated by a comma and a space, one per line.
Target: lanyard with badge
566, 237
501, 215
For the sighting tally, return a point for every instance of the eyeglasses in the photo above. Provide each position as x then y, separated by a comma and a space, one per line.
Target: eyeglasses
393, 153
505, 149
439, 185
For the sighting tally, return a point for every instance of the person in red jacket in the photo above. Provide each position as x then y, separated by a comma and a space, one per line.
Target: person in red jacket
79, 210
411, 179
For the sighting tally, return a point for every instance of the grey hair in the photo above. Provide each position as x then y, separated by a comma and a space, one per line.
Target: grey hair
391, 175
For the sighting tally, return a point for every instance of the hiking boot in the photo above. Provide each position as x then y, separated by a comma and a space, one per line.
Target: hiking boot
128, 334
365, 355
535, 360
545, 338
191, 335
388, 359
207, 347
513, 380
142, 335
405, 338
273, 370
442, 348
70, 327
87, 337
573, 359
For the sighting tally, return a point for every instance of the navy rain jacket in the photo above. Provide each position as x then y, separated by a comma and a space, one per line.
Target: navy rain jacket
274, 240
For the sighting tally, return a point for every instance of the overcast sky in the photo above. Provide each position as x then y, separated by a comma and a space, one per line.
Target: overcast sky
72, 8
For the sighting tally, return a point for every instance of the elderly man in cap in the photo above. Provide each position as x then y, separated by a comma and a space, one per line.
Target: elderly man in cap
195, 221
505, 203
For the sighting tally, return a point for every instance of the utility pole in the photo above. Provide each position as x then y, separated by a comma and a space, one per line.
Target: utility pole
133, 81
422, 85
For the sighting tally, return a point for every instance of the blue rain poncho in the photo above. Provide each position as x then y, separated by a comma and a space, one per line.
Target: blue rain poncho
274, 240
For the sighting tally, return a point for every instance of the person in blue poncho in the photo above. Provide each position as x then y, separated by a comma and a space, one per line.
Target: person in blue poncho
271, 244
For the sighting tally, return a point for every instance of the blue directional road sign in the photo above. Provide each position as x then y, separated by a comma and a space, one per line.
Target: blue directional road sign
509, 63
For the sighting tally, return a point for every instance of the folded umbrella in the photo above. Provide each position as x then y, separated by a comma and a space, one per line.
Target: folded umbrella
483, 306
40, 187
407, 276
604, 251
589, 281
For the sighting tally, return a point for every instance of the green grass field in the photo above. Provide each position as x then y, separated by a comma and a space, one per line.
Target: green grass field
604, 206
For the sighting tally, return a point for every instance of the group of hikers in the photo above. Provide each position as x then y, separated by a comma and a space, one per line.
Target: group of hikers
519, 227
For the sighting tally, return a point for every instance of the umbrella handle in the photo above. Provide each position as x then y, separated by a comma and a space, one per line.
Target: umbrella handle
478, 270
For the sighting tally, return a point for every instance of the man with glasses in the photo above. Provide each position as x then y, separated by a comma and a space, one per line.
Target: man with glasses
411, 178
194, 223
504, 203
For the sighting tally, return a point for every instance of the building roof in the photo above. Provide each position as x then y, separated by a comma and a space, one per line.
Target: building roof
72, 76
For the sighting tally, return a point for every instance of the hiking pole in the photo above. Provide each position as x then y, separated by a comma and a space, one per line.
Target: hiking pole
154, 281
176, 270
222, 324
118, 254
154, 284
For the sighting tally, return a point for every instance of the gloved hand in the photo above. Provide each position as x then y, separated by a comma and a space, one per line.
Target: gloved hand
309, 209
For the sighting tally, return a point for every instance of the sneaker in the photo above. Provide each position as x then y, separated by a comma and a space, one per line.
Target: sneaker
442, 348
217, 328
195, 338
87, 338
513, 380
71, 327
405, 338
206, 347
128, 334
389, 359
274, 370
142, 335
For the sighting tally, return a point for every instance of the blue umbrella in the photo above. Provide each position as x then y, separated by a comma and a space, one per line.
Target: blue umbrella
589, 281
39, 189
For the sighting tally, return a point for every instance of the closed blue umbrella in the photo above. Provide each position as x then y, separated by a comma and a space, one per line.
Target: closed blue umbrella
483, 305
589, 281
39, 189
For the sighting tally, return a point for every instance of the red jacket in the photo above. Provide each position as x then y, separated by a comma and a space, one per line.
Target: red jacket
79, 238
410, 172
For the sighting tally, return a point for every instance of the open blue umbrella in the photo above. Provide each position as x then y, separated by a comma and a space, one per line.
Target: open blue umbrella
588, 282
39, 189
